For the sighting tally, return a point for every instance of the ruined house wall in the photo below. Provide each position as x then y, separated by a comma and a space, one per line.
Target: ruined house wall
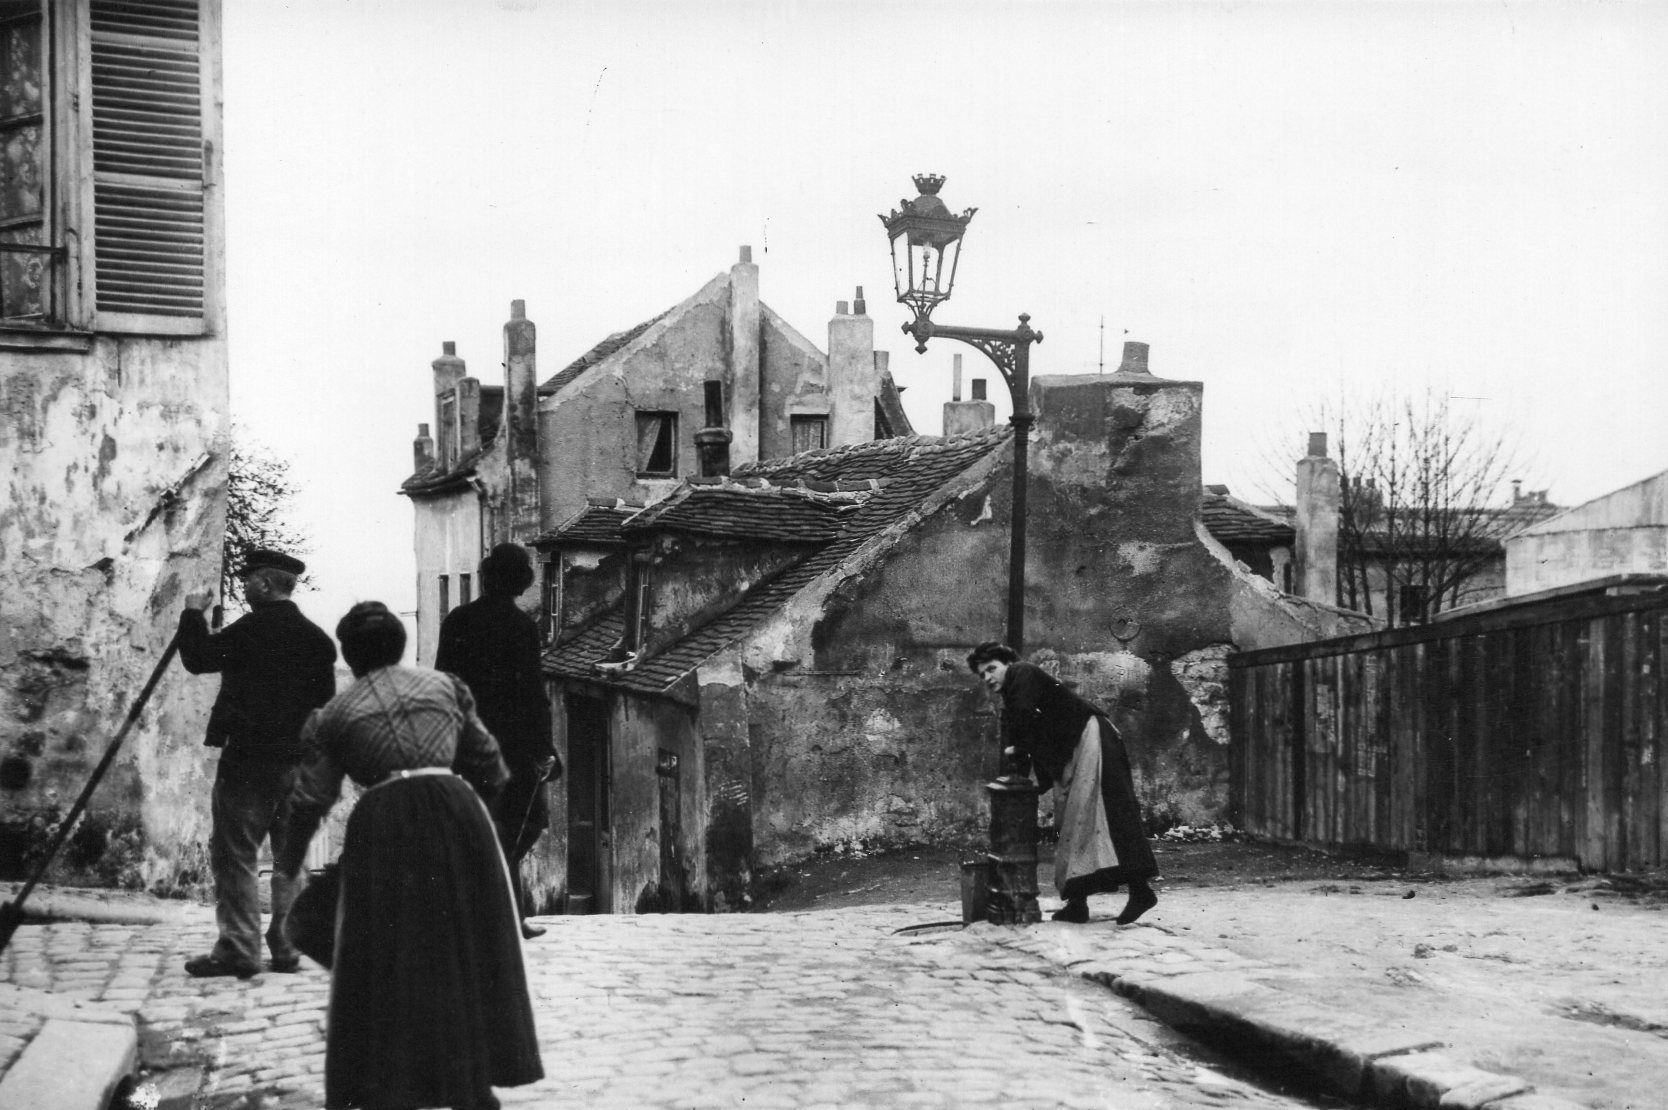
115, 473
692, 580
589, 431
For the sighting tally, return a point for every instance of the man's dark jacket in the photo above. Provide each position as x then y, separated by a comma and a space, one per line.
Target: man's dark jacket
494, 647
276, 667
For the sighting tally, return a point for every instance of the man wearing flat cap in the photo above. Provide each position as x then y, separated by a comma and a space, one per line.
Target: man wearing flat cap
275, 668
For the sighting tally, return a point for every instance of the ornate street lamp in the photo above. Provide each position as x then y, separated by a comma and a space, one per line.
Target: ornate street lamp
926, 247
923, 273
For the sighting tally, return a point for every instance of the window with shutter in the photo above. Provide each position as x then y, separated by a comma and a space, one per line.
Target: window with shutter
28, 258
148, 164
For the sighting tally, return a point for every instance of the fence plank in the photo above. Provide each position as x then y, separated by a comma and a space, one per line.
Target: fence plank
1533, 733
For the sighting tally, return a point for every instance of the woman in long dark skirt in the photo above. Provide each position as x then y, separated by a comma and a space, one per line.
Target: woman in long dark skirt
428, 995
1069, 741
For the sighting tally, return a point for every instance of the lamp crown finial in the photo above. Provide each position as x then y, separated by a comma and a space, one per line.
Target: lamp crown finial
929, 183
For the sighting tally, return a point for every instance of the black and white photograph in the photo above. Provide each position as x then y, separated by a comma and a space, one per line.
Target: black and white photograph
833, 554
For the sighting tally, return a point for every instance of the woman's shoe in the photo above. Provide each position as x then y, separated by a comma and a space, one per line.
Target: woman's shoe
1141, 899
1075, 912
531, 932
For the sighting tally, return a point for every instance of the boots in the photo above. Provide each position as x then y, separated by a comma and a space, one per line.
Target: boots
1141, 899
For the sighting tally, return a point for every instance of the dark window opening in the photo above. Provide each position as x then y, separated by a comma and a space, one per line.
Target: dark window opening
445, 595
657, 444
466, 592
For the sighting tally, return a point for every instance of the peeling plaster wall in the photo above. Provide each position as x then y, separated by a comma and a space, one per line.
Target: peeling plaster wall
795, 380
589, 430
115, 473
640, 728
866, 724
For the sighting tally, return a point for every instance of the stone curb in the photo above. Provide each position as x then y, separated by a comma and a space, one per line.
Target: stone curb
46, 904
1345, 1052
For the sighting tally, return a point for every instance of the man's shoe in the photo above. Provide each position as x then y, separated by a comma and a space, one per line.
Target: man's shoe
1073, 913
209, 967
289, 965
531, 932
1141, 899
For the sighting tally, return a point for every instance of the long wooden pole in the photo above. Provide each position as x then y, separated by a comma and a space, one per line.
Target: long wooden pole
11, 914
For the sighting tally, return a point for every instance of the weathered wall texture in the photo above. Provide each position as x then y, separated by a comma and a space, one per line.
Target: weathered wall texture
866, 725
1625, 532
589, 429
693, 580
795, 381
115, 471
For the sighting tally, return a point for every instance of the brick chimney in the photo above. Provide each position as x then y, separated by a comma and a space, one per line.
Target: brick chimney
966, 416
853, 383
457, 407
1318, 494
422, 450
744, 373
521, 418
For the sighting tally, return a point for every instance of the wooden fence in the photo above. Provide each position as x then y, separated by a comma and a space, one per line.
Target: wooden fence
1534, 730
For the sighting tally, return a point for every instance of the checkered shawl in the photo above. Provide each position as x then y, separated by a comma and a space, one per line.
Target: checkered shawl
391, 719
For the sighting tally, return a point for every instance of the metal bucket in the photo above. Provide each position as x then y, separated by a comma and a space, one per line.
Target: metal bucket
975, 891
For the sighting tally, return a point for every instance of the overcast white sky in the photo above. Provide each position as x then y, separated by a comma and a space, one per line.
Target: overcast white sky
1280, 198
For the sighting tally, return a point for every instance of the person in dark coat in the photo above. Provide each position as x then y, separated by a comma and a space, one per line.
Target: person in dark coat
494, 647
428, 992
1070, 742
275, 668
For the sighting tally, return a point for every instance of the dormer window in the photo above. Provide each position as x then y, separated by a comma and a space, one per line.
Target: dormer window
657, 445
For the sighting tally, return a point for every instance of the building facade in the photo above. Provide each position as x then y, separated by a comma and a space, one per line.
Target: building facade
770, 663
1622, 532
113, 417
509, 462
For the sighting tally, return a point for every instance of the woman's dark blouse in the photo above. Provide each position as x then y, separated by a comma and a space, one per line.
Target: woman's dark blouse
1042, 720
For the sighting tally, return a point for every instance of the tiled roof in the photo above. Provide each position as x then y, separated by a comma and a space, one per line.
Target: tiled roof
594, 524
595, 355
910, 469
752, 510
455, 476
1231, 521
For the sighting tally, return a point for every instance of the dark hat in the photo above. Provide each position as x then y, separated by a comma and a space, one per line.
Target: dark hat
266, 557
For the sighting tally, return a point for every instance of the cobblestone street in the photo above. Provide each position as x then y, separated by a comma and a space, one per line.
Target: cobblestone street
805, 1010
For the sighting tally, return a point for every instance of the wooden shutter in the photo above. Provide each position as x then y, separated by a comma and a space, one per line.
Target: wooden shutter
148, 162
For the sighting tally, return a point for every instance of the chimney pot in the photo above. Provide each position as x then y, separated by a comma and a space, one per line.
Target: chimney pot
422, 430
747, 254
858, 306
841, 308
978, 389
449, 347
1135, 358
883, 363
1317, 445
955, 378
518, 310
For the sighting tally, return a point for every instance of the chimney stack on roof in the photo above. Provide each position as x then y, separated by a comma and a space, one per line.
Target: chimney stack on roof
712, 443
955, 378
1135, 358
1318, 496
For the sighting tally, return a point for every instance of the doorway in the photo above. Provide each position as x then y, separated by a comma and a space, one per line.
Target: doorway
589, 859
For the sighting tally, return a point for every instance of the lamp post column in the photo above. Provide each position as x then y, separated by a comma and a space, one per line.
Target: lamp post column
1019, 387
